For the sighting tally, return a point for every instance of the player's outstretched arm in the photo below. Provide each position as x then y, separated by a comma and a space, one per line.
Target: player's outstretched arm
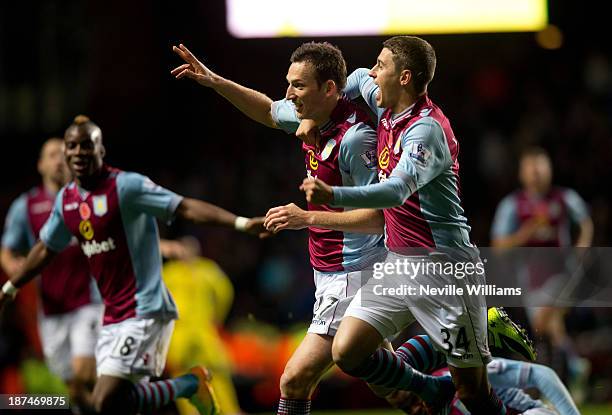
205, 213
253, 104
392, 192
38, 257
292, 217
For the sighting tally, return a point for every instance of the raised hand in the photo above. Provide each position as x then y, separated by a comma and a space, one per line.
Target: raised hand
317, 191
193, 68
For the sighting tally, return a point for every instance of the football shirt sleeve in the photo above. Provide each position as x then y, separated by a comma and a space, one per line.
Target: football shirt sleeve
17, 235
357, 155
359, 83
576, 206
139, 193
54, 233
505, 221
284, 115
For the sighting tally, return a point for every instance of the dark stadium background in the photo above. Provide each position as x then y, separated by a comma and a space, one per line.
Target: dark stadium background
111, 61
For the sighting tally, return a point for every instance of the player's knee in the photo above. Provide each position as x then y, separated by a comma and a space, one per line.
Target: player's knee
297, 384
341, 353
85, 372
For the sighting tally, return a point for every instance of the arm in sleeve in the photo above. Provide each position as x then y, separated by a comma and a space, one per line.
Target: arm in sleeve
359, 83
138, 192
425, 156
284, 116
579, 213
357, 155
576, 206
54, 233
505, 221
391, 193
16, 236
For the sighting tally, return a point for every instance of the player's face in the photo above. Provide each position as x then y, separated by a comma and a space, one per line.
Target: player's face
536, 172
84, 151
52, 163
387, 78
304, 90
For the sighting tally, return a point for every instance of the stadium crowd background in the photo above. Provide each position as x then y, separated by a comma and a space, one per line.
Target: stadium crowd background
111, 61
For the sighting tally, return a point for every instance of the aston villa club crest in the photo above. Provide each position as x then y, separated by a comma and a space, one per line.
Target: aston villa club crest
328, 149
100, 205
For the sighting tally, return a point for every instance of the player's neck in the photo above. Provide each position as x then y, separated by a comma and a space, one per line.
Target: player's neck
536, 191
90, 182
327, 108
51, 186
404, 102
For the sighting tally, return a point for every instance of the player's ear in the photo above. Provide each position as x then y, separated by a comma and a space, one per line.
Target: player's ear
330, 87
102, 150
405, 77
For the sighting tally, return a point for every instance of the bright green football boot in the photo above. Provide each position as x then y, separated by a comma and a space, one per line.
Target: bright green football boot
507, 336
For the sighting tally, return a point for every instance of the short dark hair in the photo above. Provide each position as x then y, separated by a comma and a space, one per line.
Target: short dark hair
534, 151
49, 141
327, 60
416, 55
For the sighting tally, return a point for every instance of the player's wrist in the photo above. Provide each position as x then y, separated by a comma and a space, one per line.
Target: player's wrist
9, 289
240, 223
332, 195
218, 83
309, 218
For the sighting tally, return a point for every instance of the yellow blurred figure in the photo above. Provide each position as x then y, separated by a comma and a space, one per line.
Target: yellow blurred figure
204, 295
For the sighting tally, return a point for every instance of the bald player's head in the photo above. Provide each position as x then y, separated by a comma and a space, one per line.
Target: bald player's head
51, 162
83, 147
